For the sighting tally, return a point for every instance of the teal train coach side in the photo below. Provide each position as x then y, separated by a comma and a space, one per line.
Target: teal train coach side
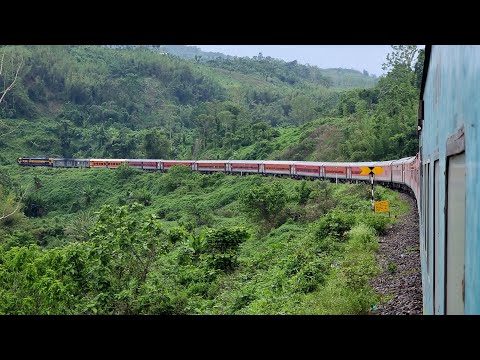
449, 202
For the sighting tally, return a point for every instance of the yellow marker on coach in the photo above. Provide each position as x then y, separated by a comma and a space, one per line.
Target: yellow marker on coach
366, 170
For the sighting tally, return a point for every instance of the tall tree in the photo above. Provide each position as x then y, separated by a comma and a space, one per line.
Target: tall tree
156, 145
401, 54
6, 78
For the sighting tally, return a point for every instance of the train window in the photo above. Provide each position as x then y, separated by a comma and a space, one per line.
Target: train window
455, 231
436, 288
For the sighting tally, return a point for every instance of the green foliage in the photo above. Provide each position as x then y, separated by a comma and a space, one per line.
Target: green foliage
122, 260
196, 243
79, 253
175, 177
303, 192
392, 267
124, 171
176, 235
79, 227
221, 245
35, 205
225, 239
265, 201
311, 276
334, 224
157, 146
363, 236
142, 196
376, 221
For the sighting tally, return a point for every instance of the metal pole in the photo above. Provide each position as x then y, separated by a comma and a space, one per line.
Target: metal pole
373, 201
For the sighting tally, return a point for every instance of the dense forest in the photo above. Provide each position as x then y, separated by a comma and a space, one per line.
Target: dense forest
126, 242
90, 101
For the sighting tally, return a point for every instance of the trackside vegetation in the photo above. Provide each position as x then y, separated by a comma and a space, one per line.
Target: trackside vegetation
126, 241
123, 241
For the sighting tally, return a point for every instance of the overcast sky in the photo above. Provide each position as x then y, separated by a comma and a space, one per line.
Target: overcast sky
358, 57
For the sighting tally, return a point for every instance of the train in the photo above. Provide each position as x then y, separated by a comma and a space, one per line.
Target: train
402, 173
439, 177
449, 151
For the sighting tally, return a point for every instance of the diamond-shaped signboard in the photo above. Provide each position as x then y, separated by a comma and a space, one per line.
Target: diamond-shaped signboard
367, 170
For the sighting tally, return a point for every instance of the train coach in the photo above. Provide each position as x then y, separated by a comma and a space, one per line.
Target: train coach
71, 163
449, 188
244, 167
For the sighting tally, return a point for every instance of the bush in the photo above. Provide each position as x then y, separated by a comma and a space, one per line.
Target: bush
303, 192
264, 201
378, 222
15, 217
172, 216
224, 239
310, 276
334, 224
142, 196
124, 171
35, 206
392, 267
363, 236
176, 176
178, 234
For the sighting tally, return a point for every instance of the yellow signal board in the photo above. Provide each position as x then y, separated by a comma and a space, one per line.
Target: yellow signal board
368, 170
382, 206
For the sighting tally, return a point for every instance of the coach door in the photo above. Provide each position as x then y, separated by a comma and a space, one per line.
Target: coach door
455, 241
436, 248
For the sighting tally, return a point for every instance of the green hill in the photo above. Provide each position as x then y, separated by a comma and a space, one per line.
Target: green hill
101, 241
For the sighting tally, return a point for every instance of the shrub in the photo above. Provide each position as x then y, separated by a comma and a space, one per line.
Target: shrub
35, 206
124, 171
223, 239
392, 267
310, 276
376, 221
303, 192
142, 196
264, 201
175, 177
363, 236
358, 271
334, 224
178, 234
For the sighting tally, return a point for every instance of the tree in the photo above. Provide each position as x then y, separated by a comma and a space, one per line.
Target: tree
302, 109
402, 54
419, 67
8, 83
10, 206
156, 145
265, 201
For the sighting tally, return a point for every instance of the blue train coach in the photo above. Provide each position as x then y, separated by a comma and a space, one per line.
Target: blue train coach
449, 129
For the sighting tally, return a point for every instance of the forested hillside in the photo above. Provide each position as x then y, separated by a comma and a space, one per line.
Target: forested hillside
91, 101
102, 241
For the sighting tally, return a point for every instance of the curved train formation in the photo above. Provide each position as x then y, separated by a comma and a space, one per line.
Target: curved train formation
401, 173
445, 170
